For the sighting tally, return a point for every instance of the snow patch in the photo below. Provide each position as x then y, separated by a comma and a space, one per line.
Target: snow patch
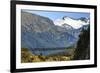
75, 23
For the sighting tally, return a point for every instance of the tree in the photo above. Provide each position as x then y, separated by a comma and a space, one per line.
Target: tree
82, 51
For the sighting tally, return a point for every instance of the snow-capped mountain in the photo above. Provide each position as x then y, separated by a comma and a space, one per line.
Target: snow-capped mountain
73, 23
41, 32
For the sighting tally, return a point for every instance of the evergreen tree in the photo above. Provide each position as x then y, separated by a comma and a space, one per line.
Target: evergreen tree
82, 51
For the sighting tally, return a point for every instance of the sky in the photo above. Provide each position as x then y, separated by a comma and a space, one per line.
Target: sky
53, 15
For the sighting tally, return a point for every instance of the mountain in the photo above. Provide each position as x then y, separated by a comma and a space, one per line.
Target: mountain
74, 23
72, 26
40, 32
35, 23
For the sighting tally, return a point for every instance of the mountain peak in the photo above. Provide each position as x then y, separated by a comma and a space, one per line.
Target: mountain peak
66, 17
75, 23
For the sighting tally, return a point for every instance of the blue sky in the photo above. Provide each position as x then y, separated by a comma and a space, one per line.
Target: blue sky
58, 15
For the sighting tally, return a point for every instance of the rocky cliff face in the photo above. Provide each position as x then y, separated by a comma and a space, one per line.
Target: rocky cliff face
35, 23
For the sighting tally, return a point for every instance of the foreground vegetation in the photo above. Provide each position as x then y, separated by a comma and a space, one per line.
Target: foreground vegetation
27, 56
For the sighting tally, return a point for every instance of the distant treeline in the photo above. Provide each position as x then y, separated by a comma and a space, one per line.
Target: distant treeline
58, 48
